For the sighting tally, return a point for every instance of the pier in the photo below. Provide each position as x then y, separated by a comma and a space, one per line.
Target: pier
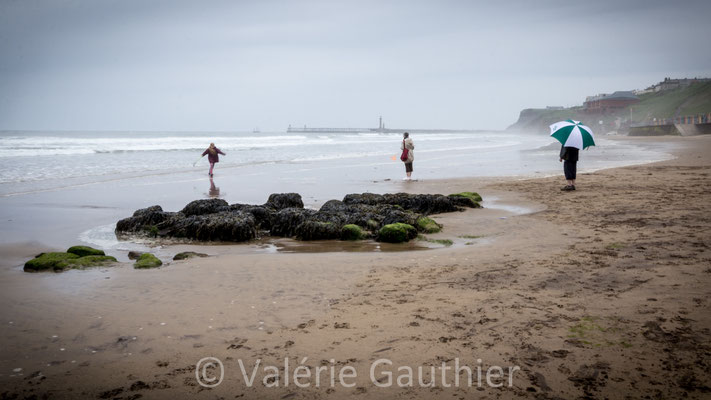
380, 129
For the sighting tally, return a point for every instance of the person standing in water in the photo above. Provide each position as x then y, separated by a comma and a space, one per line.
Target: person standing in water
212, 156
408, 155
570, 157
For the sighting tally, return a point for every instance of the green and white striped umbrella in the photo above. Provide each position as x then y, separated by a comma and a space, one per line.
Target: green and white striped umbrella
573, 134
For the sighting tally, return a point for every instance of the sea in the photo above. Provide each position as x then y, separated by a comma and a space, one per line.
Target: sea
39, 161
61, 188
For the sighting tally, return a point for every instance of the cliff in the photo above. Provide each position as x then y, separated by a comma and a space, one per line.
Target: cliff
690, 100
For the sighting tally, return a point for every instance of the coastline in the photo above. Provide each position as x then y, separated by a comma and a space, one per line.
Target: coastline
541, 273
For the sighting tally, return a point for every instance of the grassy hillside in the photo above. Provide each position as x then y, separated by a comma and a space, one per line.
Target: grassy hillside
690, 100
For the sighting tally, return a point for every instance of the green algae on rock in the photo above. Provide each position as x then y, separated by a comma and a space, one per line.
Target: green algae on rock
147, 260
397, 233
352, 232
82, 251
58, 261
428, 225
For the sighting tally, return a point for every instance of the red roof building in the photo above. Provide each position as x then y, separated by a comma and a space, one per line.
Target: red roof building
607, 103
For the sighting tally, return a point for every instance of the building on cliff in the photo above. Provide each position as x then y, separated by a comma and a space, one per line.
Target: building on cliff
606, 103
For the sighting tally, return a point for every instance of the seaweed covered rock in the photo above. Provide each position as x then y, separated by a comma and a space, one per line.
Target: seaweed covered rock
52, 261
263, 215
419, 203
364, 198
474, 196
188, 254
396, 233
82, 251
317, 230
279, 201
90, 261
367, 216
143, 218
428, 225
224, 226
352, 232
202, 207
394, 215
147, 260
287, 220
284, 215
57, 262
466, 199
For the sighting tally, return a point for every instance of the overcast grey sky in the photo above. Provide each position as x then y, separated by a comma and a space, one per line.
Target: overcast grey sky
236, 65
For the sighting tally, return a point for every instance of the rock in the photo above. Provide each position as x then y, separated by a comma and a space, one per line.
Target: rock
55, 261
147, 260
427, 225
334, 206
82, 251
396, 233
364, 198
464, 202
419, 203
352, 232
224, 226
367, 216
466, 199
279, 201
143, 218
134, 255
474, 196
90, 261
201, 207
284, 215
263, 215
394, 216
58, 262
287, 220
372, 225
317, 230
188, 254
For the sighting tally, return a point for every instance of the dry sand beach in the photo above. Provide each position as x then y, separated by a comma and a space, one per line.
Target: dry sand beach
598, 293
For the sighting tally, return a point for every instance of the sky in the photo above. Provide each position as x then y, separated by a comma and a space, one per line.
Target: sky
148, 65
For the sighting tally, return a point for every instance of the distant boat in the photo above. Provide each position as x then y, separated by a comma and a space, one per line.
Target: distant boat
256, 130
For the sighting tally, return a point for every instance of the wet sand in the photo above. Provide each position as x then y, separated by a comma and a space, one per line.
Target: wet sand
600, 293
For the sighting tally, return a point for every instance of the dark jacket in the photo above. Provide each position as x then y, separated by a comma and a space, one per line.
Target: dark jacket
569, 154
213, 158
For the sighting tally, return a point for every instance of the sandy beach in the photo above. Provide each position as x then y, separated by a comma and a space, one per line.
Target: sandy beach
598, 293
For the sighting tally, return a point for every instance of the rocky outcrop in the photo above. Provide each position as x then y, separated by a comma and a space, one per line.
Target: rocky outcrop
143, 219
202, 207
225, 226
280, 201
284, 215
419, 203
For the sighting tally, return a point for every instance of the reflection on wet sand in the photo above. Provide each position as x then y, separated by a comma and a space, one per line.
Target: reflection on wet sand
214, 191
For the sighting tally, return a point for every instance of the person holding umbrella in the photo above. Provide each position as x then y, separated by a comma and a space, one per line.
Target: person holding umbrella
573, 136
569, 157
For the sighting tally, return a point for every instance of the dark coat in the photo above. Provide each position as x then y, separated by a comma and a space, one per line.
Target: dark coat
569, 154
213, 158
